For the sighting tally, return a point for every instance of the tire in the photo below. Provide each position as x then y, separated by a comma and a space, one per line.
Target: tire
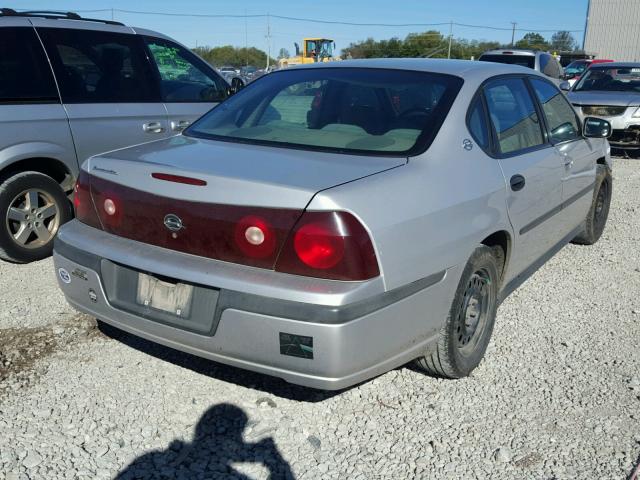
461, 347
598, 213
32, 209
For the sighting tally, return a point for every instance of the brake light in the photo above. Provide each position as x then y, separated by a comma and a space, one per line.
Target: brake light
82, 202
333, 245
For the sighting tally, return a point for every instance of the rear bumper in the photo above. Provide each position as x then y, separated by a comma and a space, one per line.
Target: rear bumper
355, 336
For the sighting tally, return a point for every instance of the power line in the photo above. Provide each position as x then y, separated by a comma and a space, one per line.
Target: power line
324, 22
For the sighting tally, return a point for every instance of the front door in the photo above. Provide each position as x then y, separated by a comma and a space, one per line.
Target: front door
190, 87
531, 168
107, 87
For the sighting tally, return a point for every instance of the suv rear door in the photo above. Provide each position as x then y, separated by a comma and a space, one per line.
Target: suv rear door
107, 86
190, 87
531, 167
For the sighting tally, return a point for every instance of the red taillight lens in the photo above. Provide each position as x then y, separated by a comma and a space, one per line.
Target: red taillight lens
255, 237
331, 245
82, 201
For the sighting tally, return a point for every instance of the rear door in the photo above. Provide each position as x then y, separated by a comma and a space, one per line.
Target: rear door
531, 167
108, 88
576, 153
190, 87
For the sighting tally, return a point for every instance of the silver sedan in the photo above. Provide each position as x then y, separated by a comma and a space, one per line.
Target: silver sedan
612, 91
330, 222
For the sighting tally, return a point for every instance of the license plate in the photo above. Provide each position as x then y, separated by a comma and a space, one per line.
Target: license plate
174, 298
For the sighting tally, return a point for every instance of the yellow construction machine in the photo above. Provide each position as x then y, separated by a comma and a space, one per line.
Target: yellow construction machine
313, 50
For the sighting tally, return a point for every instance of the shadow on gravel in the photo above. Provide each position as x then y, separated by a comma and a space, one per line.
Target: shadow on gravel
244, 378
217, 444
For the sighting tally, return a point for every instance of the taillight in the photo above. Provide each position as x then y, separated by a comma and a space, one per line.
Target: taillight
82, 202
331, 245
255, 237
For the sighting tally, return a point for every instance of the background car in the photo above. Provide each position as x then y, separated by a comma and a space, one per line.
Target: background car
542, 62
71, 88
334, 221
612, 91
575, 69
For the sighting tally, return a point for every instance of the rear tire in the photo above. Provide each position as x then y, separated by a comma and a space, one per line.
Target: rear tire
598, 213
32, 209
467, 330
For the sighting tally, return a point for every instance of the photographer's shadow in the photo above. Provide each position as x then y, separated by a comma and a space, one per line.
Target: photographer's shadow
216, 445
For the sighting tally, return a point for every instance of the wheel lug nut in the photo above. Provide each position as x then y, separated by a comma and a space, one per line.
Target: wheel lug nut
39, 215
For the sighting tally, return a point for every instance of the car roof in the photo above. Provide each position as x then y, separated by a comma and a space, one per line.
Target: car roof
512, 51
616, 65
460, 68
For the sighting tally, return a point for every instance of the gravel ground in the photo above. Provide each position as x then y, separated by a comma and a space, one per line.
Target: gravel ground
558, 396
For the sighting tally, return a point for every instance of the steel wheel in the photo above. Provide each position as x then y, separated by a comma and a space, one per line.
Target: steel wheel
601, 200
474, 309
33, 218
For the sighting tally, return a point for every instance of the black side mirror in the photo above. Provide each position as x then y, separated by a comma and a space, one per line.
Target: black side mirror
596, 128
237, 84
565, 86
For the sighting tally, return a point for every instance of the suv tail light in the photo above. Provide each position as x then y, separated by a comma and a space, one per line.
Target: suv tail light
332, 245
82, 201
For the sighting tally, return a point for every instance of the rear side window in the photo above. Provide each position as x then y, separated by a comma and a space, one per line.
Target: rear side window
478, 125
100, 67
25, 76
513, 115
549, 66
183, 76
561, 119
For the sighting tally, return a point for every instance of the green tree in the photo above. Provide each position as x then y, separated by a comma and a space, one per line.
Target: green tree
283, 53
563, 41
534, 41
233, 56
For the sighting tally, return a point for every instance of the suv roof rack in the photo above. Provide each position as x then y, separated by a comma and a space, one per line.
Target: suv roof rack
54, 15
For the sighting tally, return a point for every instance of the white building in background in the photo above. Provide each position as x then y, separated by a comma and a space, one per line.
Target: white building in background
613, 29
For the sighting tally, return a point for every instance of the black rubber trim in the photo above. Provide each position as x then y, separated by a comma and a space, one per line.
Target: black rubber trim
533, 268
300, 311
543, 218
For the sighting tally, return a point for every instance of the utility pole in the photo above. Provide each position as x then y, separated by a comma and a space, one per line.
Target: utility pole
513, 33
268, 39
246, 41
112, 14
450, 38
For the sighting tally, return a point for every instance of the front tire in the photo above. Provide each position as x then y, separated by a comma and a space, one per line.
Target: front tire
599, 212
467, 330
32, 209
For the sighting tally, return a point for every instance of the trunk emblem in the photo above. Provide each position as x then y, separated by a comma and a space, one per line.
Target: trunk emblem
173, 222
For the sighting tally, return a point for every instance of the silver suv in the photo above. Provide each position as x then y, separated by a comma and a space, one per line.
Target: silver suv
542, 62
71, 88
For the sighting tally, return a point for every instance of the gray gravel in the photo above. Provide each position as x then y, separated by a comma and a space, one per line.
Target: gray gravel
557, 397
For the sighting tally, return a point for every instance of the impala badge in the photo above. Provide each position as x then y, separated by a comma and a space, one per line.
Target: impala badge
173, 222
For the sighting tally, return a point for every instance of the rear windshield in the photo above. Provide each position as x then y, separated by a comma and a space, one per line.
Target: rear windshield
523, 60
337, 109
576, 67
614, 79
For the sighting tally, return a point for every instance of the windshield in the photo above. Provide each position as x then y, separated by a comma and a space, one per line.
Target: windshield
576, 67
336, 109
615, 79
523, 60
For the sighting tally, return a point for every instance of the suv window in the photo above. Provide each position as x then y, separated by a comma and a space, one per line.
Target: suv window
25, 75
561, 119
549, 65
100, 67
183, 76
513, 115
477, 124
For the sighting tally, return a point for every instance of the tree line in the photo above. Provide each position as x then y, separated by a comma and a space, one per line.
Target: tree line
233, 56
436, 45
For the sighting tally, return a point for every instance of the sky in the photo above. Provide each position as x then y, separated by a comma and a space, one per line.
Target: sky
530, 15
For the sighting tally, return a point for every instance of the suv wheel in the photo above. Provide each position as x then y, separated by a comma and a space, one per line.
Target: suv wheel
466, 333
32, 208
599, 212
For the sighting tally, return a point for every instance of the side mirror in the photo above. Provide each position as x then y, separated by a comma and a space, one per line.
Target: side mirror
596, 128
237, 84
565, 86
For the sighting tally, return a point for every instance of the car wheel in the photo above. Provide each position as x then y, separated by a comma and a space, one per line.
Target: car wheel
467, 330
32, 209
599, 212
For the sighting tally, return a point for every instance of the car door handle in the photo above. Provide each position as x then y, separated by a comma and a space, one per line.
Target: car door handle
153, 127
517, 182
180, 125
